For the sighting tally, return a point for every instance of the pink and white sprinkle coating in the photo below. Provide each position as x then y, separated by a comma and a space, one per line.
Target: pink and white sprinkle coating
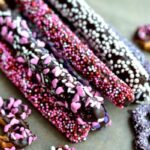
106, 44
64, 120
60, 37
75, 96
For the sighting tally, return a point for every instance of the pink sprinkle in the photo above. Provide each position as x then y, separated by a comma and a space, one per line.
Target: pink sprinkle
109, 123
100, 99
17, 103
24, 34
34, 61
8, 21
30, 140
1, 102
10, 115
38, 77
47, 60
29, 72
60, 103
13, 25
10, 37
12, 148
87, 102
18, 136
11, 102
59, 90
1, 20
56, 71
40, 43
54, 83
24, 24
68, 84
46, 71
4, 31
76, 98
95, 123
20, 60
66, 104
75, 107
23, 40
80, 91
14, 110
23, 115
6, 128
80, 121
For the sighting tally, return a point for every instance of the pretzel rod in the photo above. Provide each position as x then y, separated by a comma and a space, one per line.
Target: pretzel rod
12, 119
72, 49
70, 124
106, 44
74, 95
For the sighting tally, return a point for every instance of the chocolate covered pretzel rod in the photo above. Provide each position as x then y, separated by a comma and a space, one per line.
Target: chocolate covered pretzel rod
72, 49
74, 95
70, 124
106, 44
12, 119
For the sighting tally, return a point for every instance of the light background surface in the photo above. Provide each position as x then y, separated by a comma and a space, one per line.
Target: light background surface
125, 16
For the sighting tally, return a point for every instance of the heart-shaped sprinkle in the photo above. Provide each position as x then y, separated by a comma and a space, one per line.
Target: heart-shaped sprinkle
75, 106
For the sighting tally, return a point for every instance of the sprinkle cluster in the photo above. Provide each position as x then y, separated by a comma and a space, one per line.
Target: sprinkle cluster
68, 123
74, 95
106, 44
66, 147
141, 124
12, 116
142, 37
75, 52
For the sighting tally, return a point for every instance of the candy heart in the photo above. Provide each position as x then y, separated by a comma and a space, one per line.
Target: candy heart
75, 107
